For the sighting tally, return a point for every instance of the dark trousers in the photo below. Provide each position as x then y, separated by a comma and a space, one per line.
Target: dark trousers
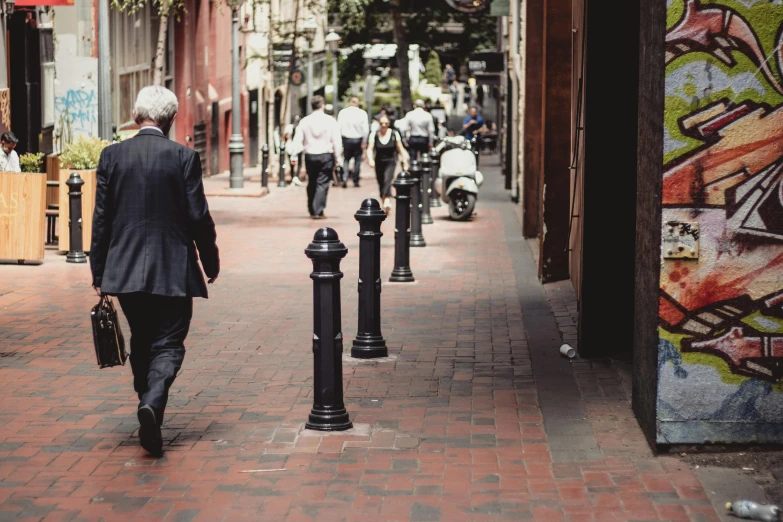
384, 171
352, 148
158, 326
418, 145
319, 169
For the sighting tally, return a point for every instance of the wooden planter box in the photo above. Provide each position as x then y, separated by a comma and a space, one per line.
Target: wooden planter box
22, 216
88, 206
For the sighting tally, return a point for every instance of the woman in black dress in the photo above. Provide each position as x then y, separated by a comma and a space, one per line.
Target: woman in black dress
383, 146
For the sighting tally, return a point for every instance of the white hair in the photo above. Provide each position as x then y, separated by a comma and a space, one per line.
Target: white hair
156, 104
419, 103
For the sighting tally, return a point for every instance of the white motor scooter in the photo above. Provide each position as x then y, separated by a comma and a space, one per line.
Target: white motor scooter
458, 178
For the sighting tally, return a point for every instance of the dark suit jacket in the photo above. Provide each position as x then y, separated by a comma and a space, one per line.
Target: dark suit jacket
150, 215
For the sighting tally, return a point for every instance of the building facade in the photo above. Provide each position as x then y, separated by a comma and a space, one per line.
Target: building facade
645, 158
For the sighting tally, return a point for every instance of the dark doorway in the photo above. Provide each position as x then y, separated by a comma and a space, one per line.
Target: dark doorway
214, 140
278, 108
252, 131
25, 80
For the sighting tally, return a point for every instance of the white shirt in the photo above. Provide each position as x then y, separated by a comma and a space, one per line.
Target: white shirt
9, 162
318, 133
419, 123
354, 123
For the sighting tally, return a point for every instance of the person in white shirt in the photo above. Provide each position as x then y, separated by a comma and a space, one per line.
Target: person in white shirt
383, 149
318, 136
421, 130
354, 128
9, 159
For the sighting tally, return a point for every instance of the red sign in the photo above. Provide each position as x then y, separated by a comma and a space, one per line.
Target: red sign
30, 3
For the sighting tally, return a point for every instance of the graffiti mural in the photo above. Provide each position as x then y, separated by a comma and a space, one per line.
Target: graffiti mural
81, 108
720, 364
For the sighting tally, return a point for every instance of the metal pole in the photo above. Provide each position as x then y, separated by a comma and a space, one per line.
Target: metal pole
281, 176
236, 146
335, 98
417, 237
434, 195
328, 413
426, 190
402, 273
309, 109
76, 248
369, 342
104, 72
265, 166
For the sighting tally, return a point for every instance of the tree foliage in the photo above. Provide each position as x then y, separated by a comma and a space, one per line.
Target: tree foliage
429, 23
433, 72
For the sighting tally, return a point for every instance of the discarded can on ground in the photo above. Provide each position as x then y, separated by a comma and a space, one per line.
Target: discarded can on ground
567, 351
750, 510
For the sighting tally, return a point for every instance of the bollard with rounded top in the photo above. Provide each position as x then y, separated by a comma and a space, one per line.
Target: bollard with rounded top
369, 342
328, 413
402, 253
76, 252
417, 238
281, 178
426, 171
265, 166
434, 173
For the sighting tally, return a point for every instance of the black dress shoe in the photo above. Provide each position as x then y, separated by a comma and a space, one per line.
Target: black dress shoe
149, 431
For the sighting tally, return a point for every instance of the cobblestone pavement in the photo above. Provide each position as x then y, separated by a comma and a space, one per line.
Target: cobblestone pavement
449, 427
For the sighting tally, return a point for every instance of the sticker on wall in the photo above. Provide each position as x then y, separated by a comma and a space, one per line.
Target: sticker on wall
680, 240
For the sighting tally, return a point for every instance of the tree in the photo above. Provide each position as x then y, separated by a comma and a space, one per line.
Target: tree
432, 69
165, 9
423, 22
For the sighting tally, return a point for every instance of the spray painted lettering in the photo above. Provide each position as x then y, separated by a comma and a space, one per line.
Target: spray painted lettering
81, 106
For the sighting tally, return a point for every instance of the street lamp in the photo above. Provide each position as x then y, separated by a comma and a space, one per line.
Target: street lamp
9, 7
309, 28
236, 146
333, 43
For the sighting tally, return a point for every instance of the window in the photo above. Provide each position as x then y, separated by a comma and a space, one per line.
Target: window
132, 55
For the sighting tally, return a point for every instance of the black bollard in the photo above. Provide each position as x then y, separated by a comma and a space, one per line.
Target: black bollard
417, 238
76, 250
475, 146
402, 253
426, 171
369, 342
265, 166
435, 172
281, 178
328, 413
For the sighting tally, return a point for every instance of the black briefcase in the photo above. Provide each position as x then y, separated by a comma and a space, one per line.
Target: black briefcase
106, 334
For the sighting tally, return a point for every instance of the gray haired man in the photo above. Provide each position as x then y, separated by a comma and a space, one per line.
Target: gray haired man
150, 218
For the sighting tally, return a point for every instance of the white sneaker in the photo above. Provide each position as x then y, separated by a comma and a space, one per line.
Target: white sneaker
296, 181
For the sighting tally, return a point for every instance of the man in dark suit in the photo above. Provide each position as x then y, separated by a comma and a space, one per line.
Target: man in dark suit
150, 217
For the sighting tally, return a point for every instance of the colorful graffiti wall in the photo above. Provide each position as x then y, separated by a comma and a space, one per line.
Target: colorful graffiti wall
720, 359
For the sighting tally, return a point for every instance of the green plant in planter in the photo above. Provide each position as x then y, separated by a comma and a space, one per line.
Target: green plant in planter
83, 154
31, 161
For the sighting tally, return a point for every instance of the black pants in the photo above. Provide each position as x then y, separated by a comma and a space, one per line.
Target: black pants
384, 171
352, 148
418, 145
319, 169
158, 326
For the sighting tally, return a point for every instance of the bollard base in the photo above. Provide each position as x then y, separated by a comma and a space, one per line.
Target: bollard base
402, 275
417, 240
435, 202
328, 420
369, 347
76, 257
426, 219
282, 183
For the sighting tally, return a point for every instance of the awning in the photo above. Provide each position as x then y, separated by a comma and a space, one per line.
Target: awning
31, 3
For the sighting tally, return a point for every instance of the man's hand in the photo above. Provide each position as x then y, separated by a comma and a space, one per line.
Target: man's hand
371, 162
97, 290
212, 279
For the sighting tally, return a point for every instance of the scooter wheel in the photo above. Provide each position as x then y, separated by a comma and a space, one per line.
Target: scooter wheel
461, 206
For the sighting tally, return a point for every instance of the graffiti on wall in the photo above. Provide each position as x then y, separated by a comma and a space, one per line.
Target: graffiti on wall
721, 315
81, 106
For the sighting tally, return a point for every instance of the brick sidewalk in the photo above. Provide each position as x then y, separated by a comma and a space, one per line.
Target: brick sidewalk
449, 427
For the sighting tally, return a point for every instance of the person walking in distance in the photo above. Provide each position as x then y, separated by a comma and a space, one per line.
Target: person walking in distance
421, 130
9, 159
354, 128
318, 136
151, 217
383, 149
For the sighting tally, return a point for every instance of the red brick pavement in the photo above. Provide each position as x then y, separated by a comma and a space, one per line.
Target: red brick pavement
448, 428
